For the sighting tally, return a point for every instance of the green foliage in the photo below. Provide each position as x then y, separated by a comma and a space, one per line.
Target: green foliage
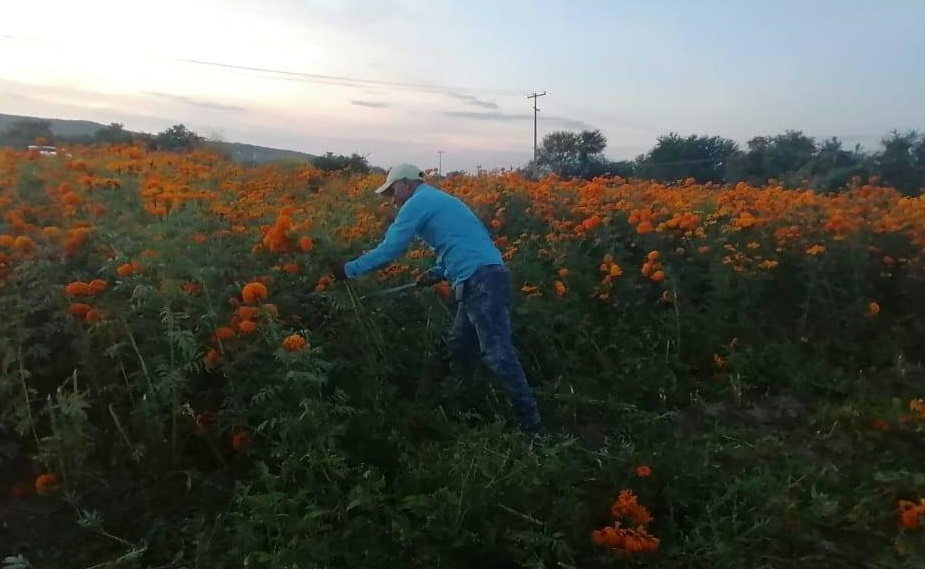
675, 158
349, 165
750, 396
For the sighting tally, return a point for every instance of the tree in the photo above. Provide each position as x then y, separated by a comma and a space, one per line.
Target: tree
177, 139
570, 154
901, 163
832, 167
674, 158
781, 157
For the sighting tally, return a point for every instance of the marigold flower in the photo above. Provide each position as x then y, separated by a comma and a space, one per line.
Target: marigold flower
45, 483
643, 471
240, 439
911, 513
560, 288
77, 288
254, 291
127, 269
224, 332
294, 343
211, 357
79, 310
97, 286
247, 326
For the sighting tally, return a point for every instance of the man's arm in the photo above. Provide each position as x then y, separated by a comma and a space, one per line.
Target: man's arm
397, 240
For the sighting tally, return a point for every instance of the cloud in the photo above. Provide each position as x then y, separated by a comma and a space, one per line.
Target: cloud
370, 104
211, 105
474, 101
514, 117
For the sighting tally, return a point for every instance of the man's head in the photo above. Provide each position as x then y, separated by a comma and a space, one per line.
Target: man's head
401, 182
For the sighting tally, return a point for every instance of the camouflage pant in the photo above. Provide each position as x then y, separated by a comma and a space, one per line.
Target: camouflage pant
482, 327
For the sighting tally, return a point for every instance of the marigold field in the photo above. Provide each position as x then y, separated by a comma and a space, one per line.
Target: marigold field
732, 376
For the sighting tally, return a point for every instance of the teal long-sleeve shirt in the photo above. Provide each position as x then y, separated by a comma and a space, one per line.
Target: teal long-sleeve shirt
456, 234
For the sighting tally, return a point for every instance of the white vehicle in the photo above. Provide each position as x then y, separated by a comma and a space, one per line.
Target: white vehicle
44, 150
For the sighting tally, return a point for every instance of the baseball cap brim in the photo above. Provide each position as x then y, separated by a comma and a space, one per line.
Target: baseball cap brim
400, 172
384, 187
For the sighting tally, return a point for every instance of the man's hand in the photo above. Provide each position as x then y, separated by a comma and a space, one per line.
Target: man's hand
428, 279
337, 267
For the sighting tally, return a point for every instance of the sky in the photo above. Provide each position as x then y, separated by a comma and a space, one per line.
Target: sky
401, 80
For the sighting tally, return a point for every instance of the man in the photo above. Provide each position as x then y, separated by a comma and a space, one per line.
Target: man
468, 258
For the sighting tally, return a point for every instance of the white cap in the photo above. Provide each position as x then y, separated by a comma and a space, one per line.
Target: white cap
400, 172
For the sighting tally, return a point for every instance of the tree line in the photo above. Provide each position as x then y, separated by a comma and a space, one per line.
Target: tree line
793, 159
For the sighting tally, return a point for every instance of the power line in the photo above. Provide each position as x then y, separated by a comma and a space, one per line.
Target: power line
534, 96
340, 80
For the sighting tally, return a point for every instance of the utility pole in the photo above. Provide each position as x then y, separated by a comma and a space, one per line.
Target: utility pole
440, 163
534, 96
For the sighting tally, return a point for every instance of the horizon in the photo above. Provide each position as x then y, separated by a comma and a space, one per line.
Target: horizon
368, 77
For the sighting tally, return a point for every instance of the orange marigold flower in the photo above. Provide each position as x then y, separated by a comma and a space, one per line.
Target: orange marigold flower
97, 286
240, 440
126, 269
45, 483
873, 309
246, 312
79, 309
254, 291
560, 289
211, 357
910, 513
224, 332
306, 244
643, 471
247, 326
23, 243
627, 506
879, 424
77, 288
294, 343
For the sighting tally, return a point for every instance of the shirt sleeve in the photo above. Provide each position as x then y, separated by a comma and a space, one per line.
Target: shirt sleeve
397, 239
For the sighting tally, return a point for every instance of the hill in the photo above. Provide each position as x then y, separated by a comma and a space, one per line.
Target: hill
59, 127
238, 151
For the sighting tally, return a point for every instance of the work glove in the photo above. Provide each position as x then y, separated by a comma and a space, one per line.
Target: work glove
428, 279
337, 267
